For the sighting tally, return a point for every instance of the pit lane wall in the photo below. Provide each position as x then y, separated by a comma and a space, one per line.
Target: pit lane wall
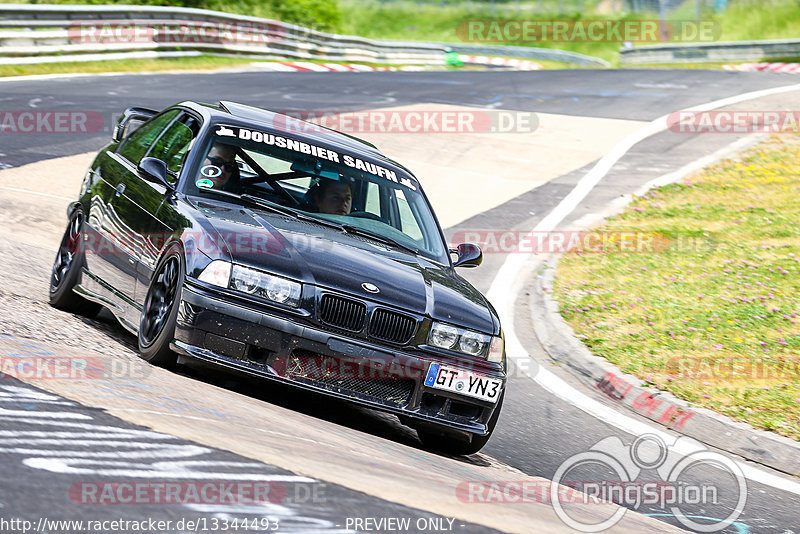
49, 33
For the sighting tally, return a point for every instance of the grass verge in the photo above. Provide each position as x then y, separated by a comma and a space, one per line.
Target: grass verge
709, 308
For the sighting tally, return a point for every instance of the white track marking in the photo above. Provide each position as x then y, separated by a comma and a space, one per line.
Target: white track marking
134, 453
48, 195
502, 291
48, 415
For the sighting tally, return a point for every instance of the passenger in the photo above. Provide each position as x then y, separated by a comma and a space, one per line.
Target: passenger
332, 197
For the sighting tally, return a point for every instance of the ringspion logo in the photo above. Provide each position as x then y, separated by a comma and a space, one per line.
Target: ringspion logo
626, 480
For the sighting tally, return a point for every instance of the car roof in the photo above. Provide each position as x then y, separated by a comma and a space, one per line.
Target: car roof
257, 114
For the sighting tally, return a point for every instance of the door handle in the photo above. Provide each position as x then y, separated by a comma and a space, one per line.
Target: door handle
120, 189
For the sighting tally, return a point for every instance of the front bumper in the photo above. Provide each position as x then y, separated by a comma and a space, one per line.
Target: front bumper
256, 342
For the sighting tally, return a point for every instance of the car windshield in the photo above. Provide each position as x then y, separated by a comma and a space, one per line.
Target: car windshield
355, 194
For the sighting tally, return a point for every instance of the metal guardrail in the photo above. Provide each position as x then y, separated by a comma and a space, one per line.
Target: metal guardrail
711, 52
31, 33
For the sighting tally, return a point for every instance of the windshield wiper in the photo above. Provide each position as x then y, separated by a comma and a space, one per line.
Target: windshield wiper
264, 203
357, 230
277, 208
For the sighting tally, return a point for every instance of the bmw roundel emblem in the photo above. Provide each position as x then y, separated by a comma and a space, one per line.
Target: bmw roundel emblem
372, 288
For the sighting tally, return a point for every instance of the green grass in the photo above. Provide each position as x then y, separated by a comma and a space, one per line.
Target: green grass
436, 23
439, 23
742, 22
710, 310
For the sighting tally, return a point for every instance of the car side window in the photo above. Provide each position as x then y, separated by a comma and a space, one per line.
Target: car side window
135, 146
171, 147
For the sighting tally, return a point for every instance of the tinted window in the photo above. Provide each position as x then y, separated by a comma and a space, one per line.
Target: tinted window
135, 146
173, 144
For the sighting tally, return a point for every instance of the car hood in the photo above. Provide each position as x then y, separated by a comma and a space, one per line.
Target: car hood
332, 259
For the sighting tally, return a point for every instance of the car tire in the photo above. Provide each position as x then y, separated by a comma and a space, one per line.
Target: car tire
66, 272
160, 309
447, 443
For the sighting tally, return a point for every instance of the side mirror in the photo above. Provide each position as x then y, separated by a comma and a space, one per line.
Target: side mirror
469, 255
154, 170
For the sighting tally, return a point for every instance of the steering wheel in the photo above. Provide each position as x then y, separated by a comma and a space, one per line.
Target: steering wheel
368, 215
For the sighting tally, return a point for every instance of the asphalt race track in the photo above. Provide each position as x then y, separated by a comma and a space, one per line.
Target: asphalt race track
57, 439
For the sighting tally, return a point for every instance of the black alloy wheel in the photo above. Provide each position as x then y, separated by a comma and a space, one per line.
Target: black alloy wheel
157, 325
66, 271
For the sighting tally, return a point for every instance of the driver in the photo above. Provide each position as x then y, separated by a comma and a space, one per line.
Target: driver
220, 167
332, 197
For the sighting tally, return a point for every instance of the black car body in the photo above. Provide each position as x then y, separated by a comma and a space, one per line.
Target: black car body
251, 276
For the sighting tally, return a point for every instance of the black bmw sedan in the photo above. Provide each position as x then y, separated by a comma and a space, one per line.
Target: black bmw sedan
243, 239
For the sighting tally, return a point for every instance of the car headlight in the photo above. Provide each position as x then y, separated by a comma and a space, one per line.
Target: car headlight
443, 336
466, 341
472, 343
253, 282
264, 285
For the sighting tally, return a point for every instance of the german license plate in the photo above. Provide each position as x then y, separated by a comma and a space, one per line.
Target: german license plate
463, 382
